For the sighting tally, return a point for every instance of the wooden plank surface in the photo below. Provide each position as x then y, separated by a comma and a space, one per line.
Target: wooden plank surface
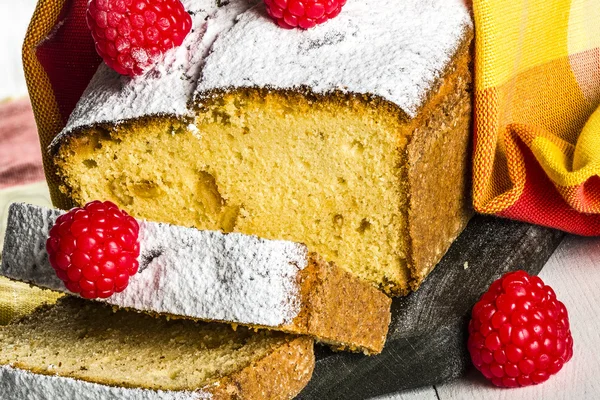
424, 393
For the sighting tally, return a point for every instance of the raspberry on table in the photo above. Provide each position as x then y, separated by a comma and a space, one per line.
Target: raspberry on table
519, 332
133, 35
303, 14
94, 249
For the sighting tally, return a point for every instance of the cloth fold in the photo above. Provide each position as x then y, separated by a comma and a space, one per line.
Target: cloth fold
537, 119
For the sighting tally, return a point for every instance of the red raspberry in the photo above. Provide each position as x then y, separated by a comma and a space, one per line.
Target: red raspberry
94, 249
133, 35
519, 333
303, 13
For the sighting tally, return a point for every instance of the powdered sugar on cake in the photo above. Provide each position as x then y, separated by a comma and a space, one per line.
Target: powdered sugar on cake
183, 271
167, 89
388, 48
391, 49
18, 384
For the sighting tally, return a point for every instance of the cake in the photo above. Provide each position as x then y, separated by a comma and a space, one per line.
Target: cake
83, 350
233, 278
352, 137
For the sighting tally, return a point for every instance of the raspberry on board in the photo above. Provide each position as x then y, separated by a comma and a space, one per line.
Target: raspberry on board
132, 36
95, 249
303, 14
519, 332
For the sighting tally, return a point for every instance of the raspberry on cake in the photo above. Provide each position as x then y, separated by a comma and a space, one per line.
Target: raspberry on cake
352, 137
208, 275
133, 35
303, 14
94, 249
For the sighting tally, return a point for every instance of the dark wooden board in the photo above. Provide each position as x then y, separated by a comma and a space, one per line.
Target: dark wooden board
426, 343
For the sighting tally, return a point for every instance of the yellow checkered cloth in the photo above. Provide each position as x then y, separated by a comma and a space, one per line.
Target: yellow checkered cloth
537, 129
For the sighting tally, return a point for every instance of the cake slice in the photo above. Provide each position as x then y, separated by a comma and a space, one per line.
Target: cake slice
352, 137
233, 278
84, 350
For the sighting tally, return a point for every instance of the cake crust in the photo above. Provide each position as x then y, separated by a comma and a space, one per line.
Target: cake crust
333, 301
439, 167
280, 375
211, 276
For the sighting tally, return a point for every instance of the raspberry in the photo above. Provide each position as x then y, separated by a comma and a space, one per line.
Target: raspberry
133, 35
303, 14
94, 249
519, 333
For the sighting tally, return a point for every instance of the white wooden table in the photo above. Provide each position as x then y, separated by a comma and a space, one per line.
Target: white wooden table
573, 271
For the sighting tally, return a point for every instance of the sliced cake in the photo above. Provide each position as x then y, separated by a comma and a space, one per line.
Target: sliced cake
351, 137
233, 278
84, 350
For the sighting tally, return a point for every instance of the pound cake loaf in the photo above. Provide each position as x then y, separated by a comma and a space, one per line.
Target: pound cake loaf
351, 137
231, 278
83, 350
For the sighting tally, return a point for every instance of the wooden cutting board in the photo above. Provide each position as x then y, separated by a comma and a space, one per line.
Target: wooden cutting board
426, 343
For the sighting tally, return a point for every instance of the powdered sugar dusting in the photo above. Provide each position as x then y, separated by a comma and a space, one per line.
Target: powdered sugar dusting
18, 384
168, 88
183, 271
389, 48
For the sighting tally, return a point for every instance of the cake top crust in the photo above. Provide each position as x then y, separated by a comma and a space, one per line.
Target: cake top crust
166, 89
388, 48
391, 49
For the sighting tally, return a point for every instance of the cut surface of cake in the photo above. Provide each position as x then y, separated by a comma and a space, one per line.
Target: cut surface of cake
232, 278
83, 350
351, 137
